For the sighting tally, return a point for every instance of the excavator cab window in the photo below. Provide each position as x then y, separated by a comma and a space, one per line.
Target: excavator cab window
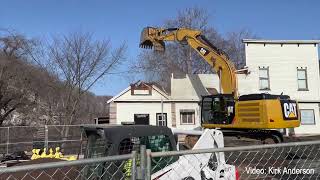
217, 109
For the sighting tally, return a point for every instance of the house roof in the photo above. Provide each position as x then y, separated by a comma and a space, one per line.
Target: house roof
160, 87
118, 95
190, 88
281, 41
139, 83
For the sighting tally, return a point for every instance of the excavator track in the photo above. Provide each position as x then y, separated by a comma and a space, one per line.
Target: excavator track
264, 136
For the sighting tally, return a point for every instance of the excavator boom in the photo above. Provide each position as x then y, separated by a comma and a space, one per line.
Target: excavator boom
155, 38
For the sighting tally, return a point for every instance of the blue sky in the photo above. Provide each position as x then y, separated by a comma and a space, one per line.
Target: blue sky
122, 21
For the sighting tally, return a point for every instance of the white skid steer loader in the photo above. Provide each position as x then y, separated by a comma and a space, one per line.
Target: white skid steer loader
208, 166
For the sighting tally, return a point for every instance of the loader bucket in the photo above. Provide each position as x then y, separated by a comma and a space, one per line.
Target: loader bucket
148, 39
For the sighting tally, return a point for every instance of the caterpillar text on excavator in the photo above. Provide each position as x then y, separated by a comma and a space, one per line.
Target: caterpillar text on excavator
256, 116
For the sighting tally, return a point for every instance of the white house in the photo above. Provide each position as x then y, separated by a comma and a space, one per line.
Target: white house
290, 67
147, 103
140, 103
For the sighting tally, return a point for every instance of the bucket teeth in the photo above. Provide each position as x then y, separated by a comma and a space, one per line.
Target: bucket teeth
148, 39
146, 46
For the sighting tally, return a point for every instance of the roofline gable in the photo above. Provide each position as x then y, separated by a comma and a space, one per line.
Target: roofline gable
129, 88
265, 41
118, 95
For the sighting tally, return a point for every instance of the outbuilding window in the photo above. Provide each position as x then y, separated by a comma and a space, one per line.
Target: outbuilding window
302, 79
187, 116
264, 79
161, 119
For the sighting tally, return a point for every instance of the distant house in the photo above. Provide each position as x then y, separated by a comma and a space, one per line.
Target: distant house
275, 67
140, 103
147, 103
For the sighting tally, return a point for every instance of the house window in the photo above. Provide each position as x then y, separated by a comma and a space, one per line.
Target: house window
141, 92
141, 119
307, 117
161, 119
141, 89
302, 79
264, 80
187, 116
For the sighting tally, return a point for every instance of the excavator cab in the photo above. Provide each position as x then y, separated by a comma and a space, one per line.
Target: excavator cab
217, 109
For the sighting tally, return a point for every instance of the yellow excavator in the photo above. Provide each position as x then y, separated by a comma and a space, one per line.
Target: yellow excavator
257, 116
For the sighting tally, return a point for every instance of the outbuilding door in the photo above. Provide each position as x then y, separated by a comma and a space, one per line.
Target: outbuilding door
141, 119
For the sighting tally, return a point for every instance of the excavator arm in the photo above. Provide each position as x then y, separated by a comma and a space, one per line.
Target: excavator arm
155, 38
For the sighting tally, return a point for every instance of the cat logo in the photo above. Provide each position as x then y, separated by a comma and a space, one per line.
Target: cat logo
202, 51
290, 110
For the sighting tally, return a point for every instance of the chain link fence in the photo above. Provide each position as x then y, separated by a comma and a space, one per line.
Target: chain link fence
25, 138
111, 168
299, 160
278, 161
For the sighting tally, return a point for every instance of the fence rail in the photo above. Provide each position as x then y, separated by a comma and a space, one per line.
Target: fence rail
297, 160
25, 138
95, 168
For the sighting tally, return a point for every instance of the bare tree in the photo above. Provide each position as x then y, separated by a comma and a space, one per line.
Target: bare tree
80, 61
53, 87
15, 81
235, 48
15, 86
13, 44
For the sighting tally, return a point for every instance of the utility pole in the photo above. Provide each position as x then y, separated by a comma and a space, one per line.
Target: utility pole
161, 109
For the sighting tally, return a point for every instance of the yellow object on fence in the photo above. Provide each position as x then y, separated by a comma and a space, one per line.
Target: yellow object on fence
35, 154
56, 155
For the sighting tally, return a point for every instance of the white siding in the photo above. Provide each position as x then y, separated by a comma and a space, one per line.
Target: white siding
182, 89
210, 80
283, 62
126, 111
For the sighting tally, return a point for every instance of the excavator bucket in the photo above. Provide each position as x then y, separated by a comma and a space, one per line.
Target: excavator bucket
148, 39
